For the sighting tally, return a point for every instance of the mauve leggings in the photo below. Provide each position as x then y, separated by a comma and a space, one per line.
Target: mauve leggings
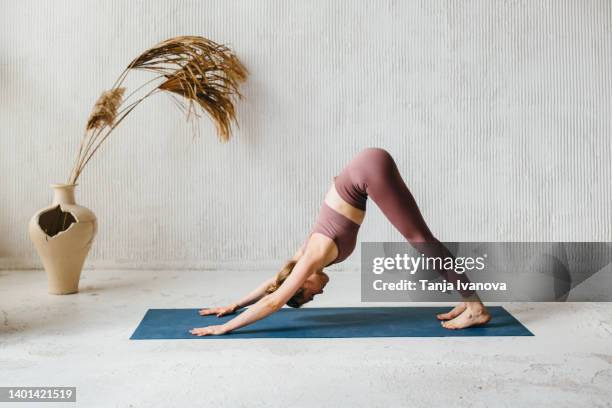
373, 173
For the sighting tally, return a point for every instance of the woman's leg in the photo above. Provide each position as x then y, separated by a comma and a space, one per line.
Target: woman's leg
375, 171
376, 174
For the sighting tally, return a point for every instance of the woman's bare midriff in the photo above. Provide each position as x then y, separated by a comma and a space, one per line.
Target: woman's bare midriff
333, 199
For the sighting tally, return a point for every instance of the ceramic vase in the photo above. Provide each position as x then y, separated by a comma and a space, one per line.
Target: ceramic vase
62, 234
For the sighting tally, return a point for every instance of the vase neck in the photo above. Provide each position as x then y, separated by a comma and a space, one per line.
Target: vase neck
63, 193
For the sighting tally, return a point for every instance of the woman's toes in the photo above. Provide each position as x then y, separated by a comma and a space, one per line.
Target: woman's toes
448, 325
457, 310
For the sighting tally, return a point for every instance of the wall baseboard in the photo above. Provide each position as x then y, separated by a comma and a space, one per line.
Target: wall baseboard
21, 264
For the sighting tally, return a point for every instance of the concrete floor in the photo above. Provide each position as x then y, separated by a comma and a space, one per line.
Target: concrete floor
82, 340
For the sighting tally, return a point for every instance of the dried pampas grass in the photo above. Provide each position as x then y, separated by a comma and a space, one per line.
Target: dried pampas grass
105, 109
204, 75
203, 72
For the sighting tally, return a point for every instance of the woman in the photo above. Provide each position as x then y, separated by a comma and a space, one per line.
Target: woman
372, 173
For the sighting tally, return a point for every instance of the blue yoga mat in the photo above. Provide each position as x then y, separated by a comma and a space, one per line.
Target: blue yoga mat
326, 322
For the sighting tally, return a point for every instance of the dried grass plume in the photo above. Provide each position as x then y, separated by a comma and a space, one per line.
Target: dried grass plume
200, 75
206, 74
105, 109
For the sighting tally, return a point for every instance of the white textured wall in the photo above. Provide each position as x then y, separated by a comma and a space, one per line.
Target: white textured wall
498, 114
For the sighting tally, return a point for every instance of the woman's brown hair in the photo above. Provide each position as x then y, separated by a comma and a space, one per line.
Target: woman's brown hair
296, 299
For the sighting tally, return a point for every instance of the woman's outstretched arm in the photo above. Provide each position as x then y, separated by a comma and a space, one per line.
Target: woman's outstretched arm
245, 301
268, 304
250, 298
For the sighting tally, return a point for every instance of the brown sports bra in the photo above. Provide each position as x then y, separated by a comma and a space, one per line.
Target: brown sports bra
342, 230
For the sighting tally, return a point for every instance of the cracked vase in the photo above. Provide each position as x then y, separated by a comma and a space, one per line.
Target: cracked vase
62, 234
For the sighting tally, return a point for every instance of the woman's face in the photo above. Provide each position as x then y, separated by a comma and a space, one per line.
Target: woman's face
314, 285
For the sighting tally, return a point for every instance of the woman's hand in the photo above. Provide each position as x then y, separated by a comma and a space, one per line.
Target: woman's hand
209, 330
219, 311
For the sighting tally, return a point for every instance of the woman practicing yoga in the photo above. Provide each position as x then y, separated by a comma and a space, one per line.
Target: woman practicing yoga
372, 173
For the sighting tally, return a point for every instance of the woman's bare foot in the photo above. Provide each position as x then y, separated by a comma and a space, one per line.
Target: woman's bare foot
466, 314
